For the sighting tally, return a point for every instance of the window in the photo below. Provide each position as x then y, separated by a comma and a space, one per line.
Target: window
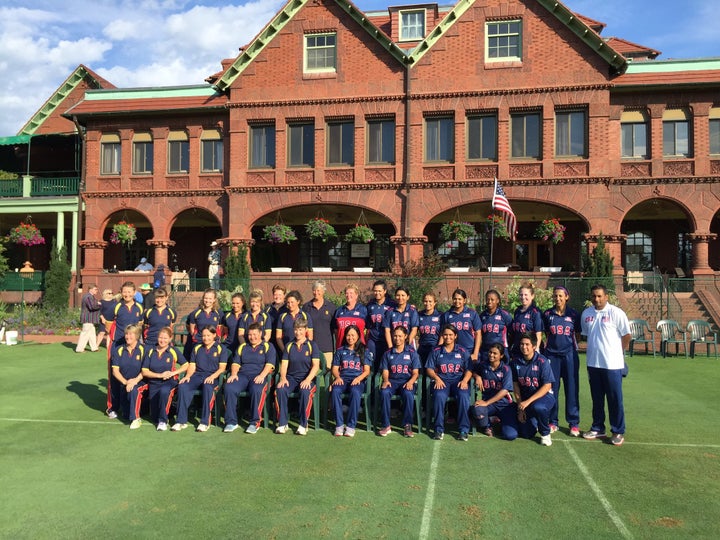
340, 143
439, 139
110, 154
178, 152
412, 25
503, 41
676, 133
482, 137
320, 52
301, 145
639, 252
142, 153
715, 130
633, 134
525, 133
262, 146
570, 133
381, 141
211, 148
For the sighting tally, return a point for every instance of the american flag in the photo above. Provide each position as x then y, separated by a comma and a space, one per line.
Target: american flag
500, 203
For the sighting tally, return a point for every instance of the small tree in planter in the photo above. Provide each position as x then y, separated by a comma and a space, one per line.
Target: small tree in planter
237, 270
123, 233
319, 228
360, 234
57, 280
599, 264
457, 230
279, 234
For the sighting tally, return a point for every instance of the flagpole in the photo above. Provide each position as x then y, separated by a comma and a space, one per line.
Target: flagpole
492, 236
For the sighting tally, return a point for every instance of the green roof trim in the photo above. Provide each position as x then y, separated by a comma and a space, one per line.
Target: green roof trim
439, 31
150, 93
584, 32
672, 66
17, 139
283, 17
75, 78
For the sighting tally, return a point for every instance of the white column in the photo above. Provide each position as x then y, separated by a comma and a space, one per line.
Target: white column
74, 246
60, 235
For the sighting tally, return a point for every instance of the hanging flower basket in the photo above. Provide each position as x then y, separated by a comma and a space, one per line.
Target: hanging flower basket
498, 223
123, 233
360, 234
320, 229
26, 234
279, 234
457, 230
551, 229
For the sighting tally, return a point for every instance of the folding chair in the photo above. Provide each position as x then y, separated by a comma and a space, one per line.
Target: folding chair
637, 333
670, 333
701, 332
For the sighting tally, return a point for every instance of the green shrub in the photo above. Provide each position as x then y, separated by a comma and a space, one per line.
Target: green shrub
511, 296
57, 280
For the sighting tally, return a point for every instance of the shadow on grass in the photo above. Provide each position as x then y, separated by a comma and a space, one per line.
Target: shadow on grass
94, 396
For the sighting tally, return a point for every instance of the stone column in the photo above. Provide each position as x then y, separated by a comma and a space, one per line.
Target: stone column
700, 244
161, 250
94, 254
412, 245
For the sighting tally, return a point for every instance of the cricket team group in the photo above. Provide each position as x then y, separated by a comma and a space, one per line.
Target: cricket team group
502, 370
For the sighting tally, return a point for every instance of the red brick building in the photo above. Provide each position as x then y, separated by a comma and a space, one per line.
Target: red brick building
402, 119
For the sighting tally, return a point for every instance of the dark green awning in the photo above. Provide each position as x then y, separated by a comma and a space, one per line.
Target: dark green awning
17, 139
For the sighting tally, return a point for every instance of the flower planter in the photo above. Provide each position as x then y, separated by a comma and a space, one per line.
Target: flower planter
498, 269
363, 269
321, 269
280, 269
459, 269
550, 268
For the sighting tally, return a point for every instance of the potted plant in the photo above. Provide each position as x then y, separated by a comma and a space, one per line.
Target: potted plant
319, 228
123, 233
26, 234
279, 234
497, 224
457, 230
551, 229
360, 234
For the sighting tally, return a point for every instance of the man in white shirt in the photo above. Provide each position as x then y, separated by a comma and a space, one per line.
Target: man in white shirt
608, 335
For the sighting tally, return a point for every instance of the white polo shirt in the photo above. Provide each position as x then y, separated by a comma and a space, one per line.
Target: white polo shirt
604, 330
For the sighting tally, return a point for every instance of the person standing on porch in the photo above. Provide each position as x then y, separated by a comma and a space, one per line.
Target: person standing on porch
214, 266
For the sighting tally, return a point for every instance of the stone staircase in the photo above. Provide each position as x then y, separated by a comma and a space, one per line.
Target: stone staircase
185, 302
682, 307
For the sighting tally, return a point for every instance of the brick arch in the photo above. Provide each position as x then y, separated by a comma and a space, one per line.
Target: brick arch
170, 220
690, 215
99, 220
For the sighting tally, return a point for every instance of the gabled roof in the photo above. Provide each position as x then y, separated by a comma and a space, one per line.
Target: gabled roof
676, 73
282, 18
628, 48
81, 73
597, 26
577, 24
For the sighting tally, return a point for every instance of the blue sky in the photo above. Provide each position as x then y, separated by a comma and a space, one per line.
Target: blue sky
137, 43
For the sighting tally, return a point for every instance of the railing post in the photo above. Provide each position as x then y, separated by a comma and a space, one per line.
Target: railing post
26, 185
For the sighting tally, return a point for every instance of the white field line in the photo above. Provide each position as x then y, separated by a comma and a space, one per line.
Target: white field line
107, 422
599, 494
430, 494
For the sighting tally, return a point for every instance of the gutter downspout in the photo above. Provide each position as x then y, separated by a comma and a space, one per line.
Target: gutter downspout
81, 188
406, 164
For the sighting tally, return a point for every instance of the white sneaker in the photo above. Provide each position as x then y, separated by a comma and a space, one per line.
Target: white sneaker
230, 428
281, 429
202, 428
252, 429
301, 430
112, 415
135, 423
339, 431
178, 427
162, 426
545, 440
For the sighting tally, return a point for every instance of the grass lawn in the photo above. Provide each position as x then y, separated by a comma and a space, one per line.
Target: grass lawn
70, 472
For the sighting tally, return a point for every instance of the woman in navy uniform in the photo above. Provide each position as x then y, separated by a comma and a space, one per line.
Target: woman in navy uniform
350, 369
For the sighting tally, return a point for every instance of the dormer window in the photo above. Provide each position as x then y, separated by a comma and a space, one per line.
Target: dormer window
503, 41
320, 53
412, 25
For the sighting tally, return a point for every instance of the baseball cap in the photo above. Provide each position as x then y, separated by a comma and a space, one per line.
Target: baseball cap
143, 260
145, 287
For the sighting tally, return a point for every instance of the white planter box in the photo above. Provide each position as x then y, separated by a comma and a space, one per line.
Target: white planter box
459, 269
363, 269
550, 268
280, 269
498, 269
321, 269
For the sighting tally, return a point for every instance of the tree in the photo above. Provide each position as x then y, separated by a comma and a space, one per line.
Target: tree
599, 264
3, 260
57, 280
421, 275
237, 270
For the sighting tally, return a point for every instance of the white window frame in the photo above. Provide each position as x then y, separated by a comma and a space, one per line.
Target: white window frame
412, 30
310, 46
499, 42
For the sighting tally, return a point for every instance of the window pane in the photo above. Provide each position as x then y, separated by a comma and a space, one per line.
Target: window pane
715, 136
110, 155
178, 156
381, 141
504, 40
676, 141
440, 143
302, 148
525, 136
142, 157
262, 146
320, 51
212, 155
412, 25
